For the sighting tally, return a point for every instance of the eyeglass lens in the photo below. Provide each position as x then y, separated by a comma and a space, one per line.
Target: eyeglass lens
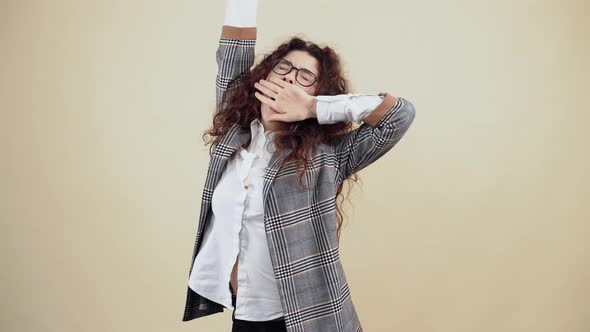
304, 76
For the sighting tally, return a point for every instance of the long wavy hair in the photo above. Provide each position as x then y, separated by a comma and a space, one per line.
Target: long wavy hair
240, 105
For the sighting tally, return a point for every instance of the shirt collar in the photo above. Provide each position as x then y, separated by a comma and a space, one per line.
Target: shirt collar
256, 127
258, 132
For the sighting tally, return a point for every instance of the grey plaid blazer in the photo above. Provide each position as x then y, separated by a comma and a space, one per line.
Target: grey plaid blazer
300, 223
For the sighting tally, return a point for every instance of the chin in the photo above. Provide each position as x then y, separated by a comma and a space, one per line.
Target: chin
266, 111
269, 125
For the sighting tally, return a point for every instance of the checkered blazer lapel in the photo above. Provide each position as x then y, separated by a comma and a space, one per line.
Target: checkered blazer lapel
235, 138
222, 152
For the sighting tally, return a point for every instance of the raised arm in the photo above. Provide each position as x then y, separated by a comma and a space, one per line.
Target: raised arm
385, 119
235, 53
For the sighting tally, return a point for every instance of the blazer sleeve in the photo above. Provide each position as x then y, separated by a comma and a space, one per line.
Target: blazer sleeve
378, 134
235, 56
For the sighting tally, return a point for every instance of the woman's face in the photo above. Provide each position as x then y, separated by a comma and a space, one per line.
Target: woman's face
299, 59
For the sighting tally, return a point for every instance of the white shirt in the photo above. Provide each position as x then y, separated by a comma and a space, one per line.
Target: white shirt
236, 227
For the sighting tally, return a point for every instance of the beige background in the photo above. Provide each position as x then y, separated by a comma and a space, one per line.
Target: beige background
476, 221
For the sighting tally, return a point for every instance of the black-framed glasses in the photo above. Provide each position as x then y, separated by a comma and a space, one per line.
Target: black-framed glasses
303, 76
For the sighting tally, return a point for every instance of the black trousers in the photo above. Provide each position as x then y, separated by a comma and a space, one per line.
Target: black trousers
239, 325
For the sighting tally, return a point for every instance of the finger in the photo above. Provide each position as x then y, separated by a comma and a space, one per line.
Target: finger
268, 92
271, 85
264, 99
279, 82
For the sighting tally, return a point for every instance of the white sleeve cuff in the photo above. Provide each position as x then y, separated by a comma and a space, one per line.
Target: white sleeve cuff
346, 107
241, 13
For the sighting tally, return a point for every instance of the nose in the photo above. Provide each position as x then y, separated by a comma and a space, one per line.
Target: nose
290, 77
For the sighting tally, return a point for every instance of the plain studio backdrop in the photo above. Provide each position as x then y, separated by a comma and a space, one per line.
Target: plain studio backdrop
476, 221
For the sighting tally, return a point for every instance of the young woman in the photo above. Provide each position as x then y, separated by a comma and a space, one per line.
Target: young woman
282, 146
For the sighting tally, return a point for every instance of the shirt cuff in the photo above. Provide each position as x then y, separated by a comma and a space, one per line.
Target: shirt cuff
241, 13
346, 107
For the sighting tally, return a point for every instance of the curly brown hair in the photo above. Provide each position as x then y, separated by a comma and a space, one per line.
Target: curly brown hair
240, 105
